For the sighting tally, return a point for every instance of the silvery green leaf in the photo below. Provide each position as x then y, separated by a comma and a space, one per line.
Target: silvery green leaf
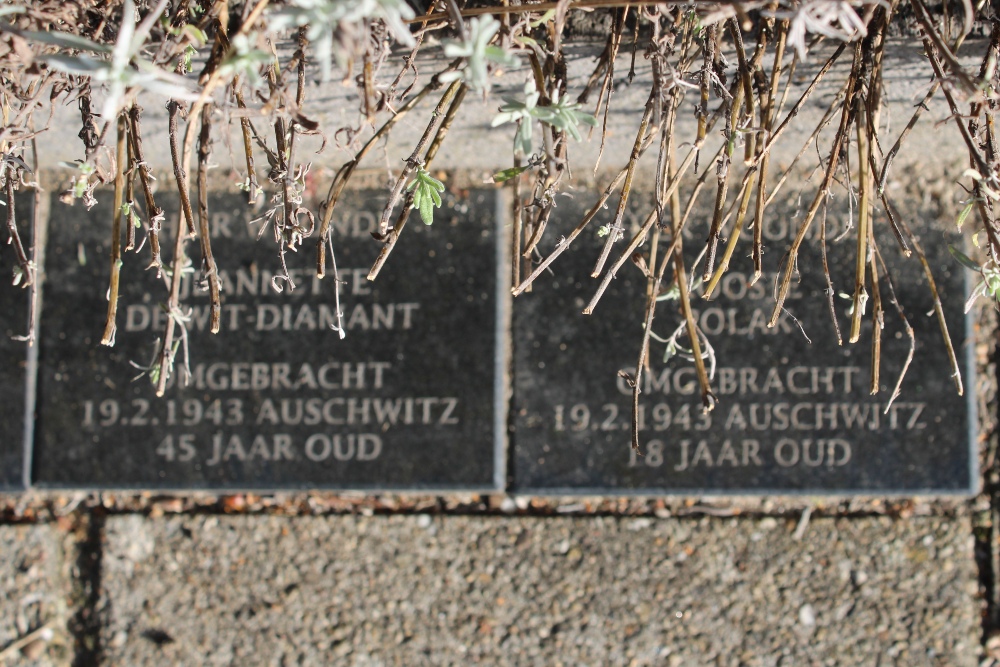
478, 53
432, 182
522, 139
501, 57
114, 99
16, 9
504, 117
426, 210
394, 12
77, 65
457, 50
122, 52
573, 132
65, 40
531, 94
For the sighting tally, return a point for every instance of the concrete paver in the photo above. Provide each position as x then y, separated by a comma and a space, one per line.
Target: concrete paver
33, 596
422, 590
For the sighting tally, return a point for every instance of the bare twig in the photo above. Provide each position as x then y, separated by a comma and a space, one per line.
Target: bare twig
415, 160
821, 194
345, 172
154, 214
393, 235
116, 235
210, 271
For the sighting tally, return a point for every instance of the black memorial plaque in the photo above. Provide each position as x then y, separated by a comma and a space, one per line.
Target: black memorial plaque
14, 373
277, 399
792, 417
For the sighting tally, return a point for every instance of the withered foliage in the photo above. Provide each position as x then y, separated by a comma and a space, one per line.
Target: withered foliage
223, 61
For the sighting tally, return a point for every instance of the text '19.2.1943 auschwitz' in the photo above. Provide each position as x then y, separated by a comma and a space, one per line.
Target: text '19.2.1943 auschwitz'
795, 412
277, 399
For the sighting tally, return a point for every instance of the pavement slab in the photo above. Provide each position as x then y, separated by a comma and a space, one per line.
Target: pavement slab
459, 590
33, 597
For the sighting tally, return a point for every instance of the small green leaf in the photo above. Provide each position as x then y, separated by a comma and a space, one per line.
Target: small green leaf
507, 174
965, 213
427, 211
963, 259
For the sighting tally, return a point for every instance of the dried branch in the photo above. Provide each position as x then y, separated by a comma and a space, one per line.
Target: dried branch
121, 165
209, 270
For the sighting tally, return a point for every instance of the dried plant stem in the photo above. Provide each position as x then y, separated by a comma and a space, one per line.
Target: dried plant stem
180, 174
956, 372
821, 194
414, 160
891, 155
711, 44
708, 399
517, 234
906, 326
116, 236
977, 161
253, 187
607, 88
542, 7
640, 236
640, 365
209, 268
37, 251
763, 159
830, 292
393, 235
864, 207
27, 274
129, 190
954, 67
153, 212
722, 190
165, 358
794, 111
565, 242
878, 319
824, 121
746, 189
344, 174
616, 228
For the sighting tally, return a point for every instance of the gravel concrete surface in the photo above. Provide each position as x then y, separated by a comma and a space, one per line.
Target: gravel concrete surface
451, 590
33, 597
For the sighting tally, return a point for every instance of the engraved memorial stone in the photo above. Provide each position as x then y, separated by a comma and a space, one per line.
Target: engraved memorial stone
792, 416
277, 399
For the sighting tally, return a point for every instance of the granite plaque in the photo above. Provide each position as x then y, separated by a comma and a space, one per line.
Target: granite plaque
793, 416
15, 377
277, 399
